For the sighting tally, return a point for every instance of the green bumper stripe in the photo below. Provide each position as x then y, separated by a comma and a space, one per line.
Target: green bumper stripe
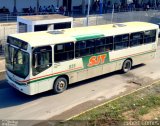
107, 61
33, 81
87, 37
41, 79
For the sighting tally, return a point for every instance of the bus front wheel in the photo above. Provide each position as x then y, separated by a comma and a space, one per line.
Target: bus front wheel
127, 65
60, 85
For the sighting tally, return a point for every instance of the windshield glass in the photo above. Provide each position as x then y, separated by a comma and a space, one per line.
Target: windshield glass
17, 61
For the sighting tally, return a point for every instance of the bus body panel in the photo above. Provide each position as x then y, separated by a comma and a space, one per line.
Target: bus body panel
82, 75
110, 67
79, 69
95, 71
45, 85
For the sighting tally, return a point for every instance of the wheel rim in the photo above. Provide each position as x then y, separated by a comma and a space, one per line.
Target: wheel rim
127, 66
61, 86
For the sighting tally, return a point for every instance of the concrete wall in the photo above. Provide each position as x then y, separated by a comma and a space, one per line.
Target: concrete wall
149, 16
6, 29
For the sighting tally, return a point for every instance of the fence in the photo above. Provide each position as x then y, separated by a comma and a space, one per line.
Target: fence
74, 13
152, 16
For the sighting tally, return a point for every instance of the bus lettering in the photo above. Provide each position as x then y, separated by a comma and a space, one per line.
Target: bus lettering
96, 60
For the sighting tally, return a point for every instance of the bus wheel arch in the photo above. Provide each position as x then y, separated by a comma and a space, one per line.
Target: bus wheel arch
127, 65
60, 84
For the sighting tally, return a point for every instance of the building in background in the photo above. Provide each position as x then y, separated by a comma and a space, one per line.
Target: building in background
77, 6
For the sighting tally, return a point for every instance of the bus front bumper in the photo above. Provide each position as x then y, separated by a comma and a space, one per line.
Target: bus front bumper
22, 88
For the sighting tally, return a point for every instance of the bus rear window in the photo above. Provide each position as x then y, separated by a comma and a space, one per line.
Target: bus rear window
16, 42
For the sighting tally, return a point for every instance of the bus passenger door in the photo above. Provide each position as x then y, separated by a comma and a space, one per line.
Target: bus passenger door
42, 68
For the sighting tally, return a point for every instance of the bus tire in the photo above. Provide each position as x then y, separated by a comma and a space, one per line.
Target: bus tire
60, 85
127, 65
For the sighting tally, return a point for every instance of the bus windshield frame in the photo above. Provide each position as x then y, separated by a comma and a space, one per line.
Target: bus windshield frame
17, 61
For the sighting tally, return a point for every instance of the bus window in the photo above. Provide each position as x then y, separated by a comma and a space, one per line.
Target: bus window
42, 59
80, 49
90, 45
109, 43
121, 41
64, 52
149, 36
84, 48
100, 45
136, 39
103, 44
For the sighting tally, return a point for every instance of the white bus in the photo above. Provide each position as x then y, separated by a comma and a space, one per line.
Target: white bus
42, 61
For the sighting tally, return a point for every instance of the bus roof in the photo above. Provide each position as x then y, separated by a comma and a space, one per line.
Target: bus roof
82, 33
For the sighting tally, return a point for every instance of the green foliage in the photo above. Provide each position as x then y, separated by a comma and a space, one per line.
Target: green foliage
133, 102
143, 111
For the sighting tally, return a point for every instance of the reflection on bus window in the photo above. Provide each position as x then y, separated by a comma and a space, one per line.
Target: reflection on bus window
17, 61
149, 36
64, 52
121, 41
136, 39
42, 59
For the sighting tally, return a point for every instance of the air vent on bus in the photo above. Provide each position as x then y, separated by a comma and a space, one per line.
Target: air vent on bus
56, 32
119, 25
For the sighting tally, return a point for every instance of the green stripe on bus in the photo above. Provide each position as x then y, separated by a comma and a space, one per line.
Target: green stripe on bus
33, 81
85, 63
87, 37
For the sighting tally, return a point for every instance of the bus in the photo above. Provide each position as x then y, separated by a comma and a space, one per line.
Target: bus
51, 60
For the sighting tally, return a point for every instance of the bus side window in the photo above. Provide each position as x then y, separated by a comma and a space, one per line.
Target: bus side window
100, 45
109, 43
80, 49
150, 36
41, 59
90, 47
136, 39
63, 52
84, 48
121, 41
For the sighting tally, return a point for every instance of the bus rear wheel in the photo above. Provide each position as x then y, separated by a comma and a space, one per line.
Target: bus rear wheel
60, 85
127, 65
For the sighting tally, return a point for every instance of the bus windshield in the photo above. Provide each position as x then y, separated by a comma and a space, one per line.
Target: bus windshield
17, 61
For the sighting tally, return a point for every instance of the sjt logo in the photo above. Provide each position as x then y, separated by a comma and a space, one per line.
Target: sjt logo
96, 60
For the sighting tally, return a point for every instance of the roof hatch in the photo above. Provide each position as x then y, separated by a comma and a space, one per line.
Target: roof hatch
56, 32
119, 25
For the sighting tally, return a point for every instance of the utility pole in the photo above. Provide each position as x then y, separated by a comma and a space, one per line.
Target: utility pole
89, 2
112, 14
37, 6
155, 4
15, 2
